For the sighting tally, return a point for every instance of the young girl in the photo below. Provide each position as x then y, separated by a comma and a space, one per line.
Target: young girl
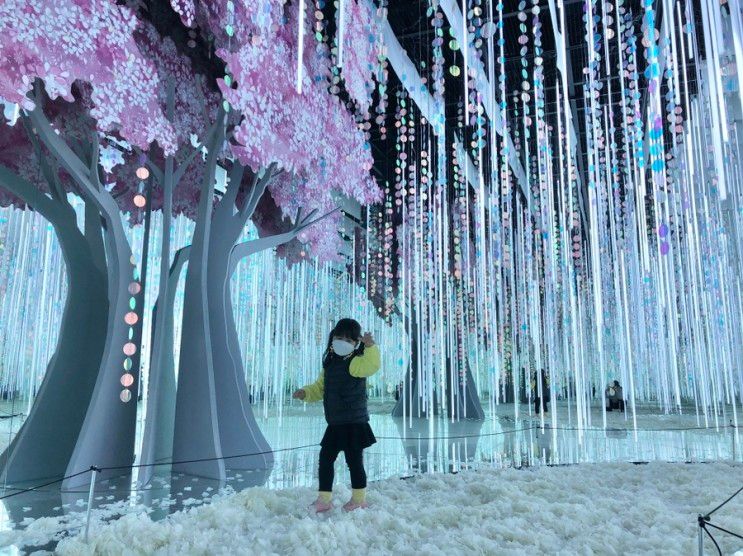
349, 358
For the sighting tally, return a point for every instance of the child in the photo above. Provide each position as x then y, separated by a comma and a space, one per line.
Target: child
349, 358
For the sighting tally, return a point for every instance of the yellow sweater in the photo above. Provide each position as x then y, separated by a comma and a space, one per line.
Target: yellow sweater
362, 366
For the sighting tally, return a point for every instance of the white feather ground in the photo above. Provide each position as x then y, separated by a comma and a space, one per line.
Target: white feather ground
582, 509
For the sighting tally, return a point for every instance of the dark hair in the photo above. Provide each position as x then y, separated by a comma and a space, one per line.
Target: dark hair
348, 328
616, 383
345, 327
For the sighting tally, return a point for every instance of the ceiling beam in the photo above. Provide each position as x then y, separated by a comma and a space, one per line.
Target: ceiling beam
566, 71
484, 87
430, 108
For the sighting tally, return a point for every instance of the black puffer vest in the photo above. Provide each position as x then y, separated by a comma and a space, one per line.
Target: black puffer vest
344, 397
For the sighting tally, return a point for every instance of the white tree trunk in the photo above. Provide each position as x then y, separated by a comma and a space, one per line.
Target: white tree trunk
239, 432
157, 445
107, 435
196, 434
42, 447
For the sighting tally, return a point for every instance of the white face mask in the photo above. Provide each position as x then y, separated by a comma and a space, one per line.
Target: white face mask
343, 348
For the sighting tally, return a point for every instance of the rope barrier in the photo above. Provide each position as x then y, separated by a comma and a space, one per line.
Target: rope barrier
723, 529
455, 437
45, 484
702, 525
201, 460
10, 415
120, 467
704, 522
547, 427
736, 493
679, 429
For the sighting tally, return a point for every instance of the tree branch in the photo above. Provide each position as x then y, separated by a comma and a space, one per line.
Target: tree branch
247, 248
179, 259
157, 173
202, 99
77, 148
29, 194
116, 242
249, 197
256, 192
183, 166
94, 155
53, 180
86, 177
64, 154
306, 223
204, 211
93, 228
227, 203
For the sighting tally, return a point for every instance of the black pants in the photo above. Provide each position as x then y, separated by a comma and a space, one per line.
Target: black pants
355, 461
539, 401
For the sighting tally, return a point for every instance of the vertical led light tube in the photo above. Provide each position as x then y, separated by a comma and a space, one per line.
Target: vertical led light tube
341, 29
300, 47
465, 52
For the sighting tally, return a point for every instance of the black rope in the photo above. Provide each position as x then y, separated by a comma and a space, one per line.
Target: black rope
47, 484
704, 522
9, 415
546, 428
708, 524
200, 460
453, 437
717, 546
128, 489
736, 493
114, 468
610, 429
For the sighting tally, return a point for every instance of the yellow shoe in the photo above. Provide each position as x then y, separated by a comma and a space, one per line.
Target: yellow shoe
351, 506
322, 504
358, 500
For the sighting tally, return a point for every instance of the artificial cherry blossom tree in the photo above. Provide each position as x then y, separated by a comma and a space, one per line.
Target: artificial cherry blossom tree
314, 144
84, 54
30, 179
123, 84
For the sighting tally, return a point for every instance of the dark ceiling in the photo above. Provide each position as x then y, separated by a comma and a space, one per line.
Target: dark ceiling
411, 22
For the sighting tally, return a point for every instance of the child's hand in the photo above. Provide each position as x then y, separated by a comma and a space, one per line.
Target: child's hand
368, 339
299, 394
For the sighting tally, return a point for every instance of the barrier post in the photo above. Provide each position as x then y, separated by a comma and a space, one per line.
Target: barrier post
700, 521
93, 471
734, 430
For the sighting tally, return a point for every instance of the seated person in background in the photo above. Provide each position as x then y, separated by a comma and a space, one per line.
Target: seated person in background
398, 391
540, 402
614, 397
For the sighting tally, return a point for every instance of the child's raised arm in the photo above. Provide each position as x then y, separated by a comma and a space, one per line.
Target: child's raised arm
312, 392
367, 364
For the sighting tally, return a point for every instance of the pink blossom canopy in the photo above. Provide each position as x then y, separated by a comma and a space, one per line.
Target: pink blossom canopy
361, 50
91, 41
309, 134
126, 70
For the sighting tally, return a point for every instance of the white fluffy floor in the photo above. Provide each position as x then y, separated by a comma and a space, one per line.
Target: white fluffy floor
582, 509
